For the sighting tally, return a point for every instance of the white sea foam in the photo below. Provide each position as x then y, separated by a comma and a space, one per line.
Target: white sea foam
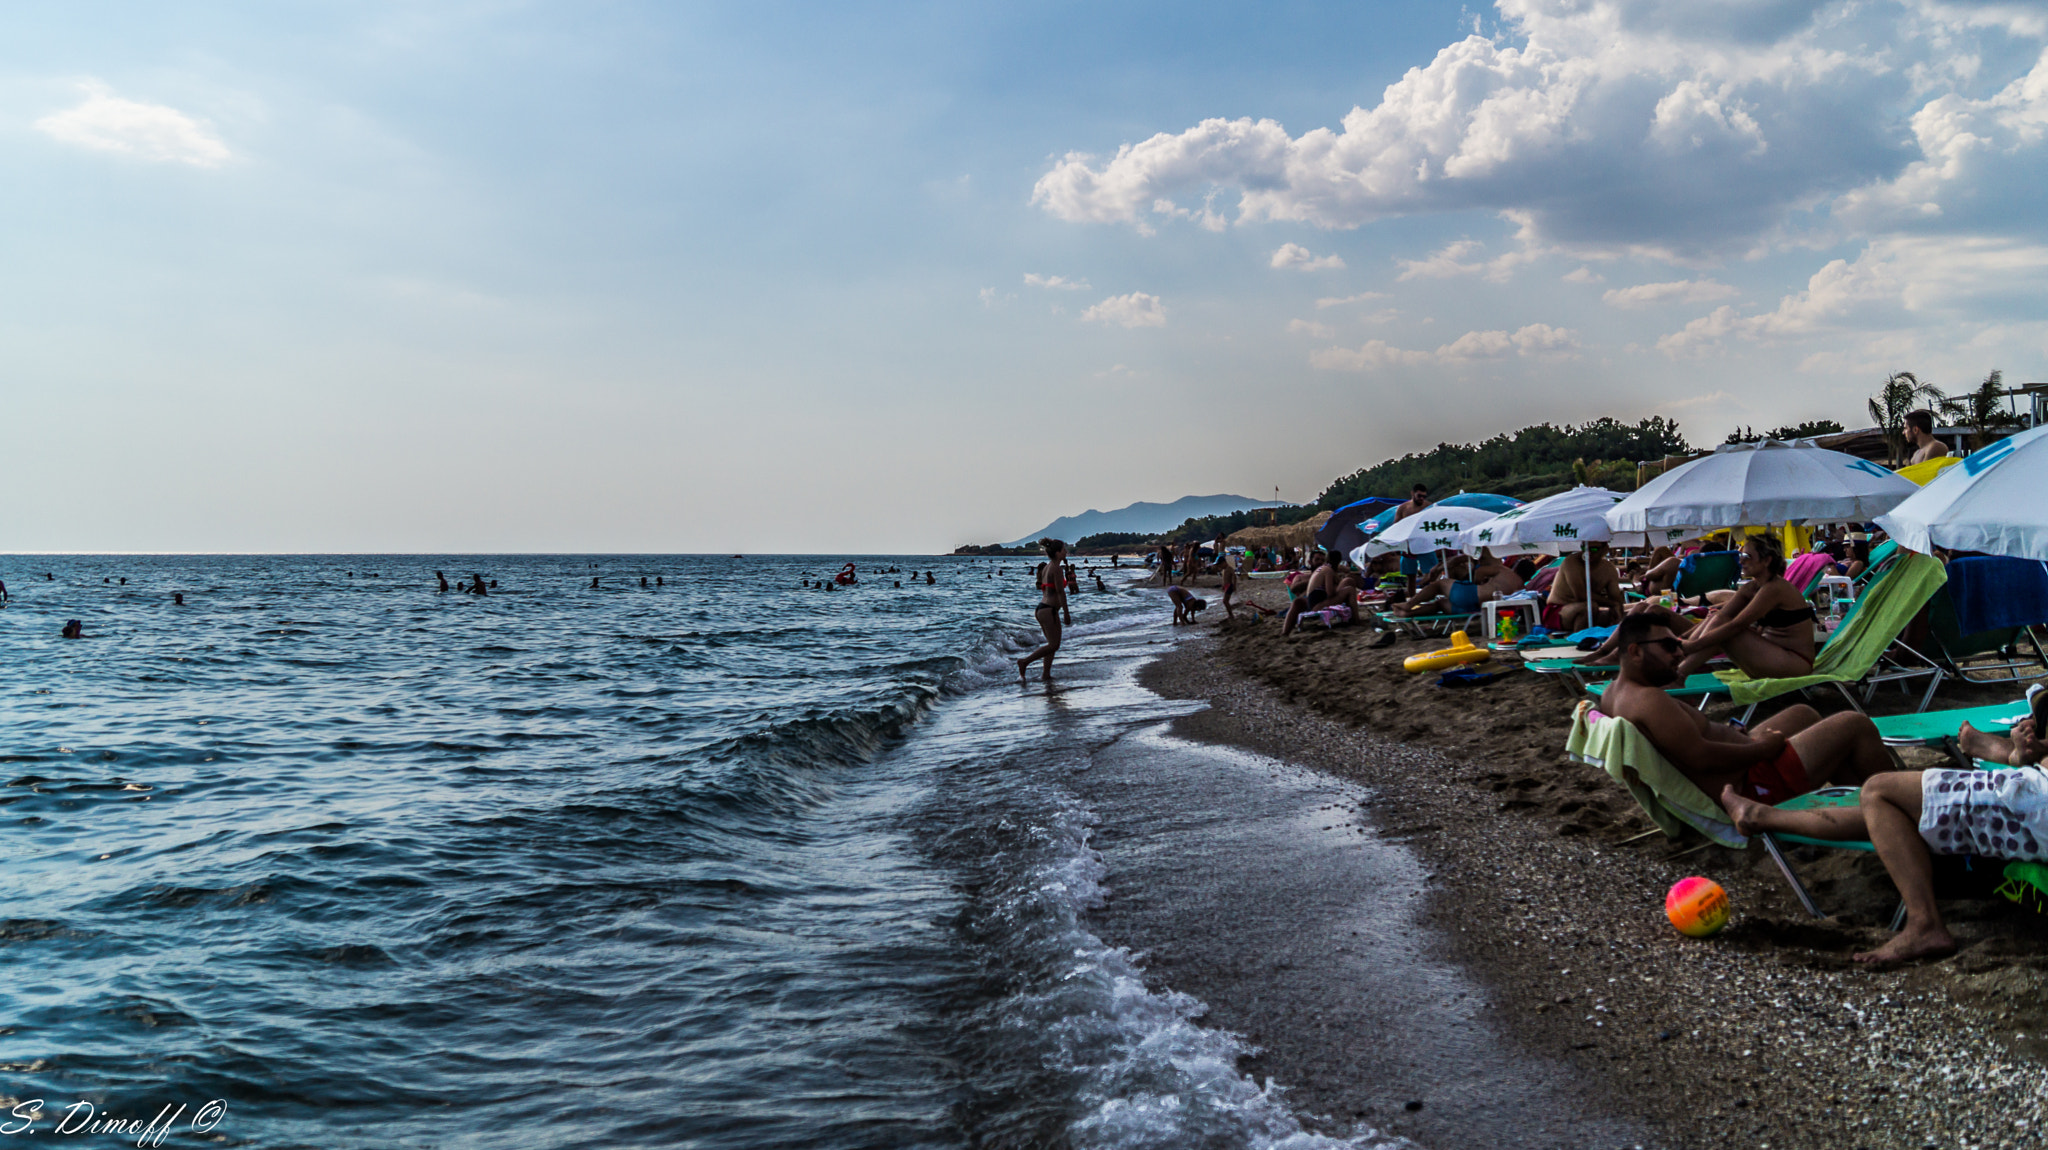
1143, 1072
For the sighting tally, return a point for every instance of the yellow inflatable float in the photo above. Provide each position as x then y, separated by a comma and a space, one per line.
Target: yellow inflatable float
1461, 650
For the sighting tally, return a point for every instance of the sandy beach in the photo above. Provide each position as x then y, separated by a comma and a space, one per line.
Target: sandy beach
1547, 888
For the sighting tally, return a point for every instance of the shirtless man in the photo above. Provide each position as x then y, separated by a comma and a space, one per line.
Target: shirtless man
1793, 752
1659, 573
1920, 436
1495, 579
1322, 585
1418, 502
1568, 592
1435, 595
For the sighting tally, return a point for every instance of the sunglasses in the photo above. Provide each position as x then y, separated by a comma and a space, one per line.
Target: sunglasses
1671, 646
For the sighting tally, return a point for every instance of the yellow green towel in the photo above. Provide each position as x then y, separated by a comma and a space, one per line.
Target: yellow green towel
1860, 642
1667, 796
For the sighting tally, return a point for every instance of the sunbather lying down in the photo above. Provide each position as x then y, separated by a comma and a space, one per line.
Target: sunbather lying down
1794, 752
1434, 597
1910, 816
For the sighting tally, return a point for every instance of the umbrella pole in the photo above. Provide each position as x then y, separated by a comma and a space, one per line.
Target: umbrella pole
1586, 564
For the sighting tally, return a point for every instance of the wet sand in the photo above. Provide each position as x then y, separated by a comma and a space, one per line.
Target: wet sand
1547, 888
1256, 887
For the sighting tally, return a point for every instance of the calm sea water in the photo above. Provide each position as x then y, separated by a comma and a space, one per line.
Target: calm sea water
724, 863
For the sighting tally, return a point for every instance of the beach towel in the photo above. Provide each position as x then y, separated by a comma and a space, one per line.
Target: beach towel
1665, 794
1860, 642
1995, 591
1804, 569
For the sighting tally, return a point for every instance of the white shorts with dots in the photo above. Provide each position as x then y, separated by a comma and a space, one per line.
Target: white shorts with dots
1995, 814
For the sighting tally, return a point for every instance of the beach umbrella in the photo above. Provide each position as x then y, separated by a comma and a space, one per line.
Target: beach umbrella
1435, 528
1772, 481
1990, 502
1555, 523
1342, 532
1482, 499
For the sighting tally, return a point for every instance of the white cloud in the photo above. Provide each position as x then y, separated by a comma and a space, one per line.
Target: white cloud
1455, 260
1948, 283
1584, 275
1056, 283
990, 297
1340, 301
1298, 257
1137, 309
1680, 291
1678, 130
107, 123
1534, 340
1310, 327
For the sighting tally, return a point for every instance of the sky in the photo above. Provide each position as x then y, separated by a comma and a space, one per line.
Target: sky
673, 277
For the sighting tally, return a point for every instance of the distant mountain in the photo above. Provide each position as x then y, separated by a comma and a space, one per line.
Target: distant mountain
1143, 518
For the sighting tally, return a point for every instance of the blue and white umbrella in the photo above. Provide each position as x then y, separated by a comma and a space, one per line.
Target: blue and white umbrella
1995, 501
1754, 484
1434, 528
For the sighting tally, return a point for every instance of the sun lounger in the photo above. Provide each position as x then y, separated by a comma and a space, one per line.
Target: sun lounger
1824, 797
1671, 800
1708, 571
1429, 626
1926, 727
1998, 600
1865, 650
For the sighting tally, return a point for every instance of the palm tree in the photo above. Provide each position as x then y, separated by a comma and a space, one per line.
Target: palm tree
1902, 393
1981, 410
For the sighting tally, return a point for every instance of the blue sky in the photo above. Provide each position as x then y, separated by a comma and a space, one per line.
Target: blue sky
761, 277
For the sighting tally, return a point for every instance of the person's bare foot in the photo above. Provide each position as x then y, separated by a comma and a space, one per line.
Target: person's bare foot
1743, 811
1973, 742
1021, 665
1909, 945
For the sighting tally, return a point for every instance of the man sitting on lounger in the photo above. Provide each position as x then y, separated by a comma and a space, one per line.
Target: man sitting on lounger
1321, 587
1495, 578
1568, 592
1794, 752
1909, 816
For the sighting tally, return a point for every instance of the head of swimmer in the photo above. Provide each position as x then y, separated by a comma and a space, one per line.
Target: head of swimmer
1055, 549
1650, 651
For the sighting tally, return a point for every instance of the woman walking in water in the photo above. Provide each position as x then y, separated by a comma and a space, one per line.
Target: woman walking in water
1052, 599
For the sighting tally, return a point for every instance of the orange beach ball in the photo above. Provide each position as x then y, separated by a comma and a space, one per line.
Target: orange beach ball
1697, 906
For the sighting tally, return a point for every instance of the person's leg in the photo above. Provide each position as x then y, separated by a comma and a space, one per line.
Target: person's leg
1789, 721
1756, 656
1049, 623
1228, 591
1835, 824
1891, 811
1844, 750
1979, 745
1052, 642
1571, 617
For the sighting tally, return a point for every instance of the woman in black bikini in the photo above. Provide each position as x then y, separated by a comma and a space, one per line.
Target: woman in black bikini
1052, 600
1766, 627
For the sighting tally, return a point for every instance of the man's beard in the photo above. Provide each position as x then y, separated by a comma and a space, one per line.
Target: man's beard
1662, 676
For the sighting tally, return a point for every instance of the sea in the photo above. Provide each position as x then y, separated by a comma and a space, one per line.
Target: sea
629, 851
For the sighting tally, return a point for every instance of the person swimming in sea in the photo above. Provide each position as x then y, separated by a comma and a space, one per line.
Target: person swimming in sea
593, 582
73, 629
178, 598
444, 581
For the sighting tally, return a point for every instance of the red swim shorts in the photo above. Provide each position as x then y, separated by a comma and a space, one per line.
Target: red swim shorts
1775, 780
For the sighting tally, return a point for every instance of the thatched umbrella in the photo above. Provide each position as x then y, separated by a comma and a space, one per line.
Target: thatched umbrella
1292, 535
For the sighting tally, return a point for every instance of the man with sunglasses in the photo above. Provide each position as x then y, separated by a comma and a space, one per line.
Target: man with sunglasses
1793, 752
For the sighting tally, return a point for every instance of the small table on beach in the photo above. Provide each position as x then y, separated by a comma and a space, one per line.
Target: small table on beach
1841, 590
1530, 610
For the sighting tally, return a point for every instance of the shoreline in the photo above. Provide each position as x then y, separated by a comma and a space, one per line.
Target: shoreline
1541, 889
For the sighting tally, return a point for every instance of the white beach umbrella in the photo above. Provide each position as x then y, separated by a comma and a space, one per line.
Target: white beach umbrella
1751, 484
1991, 502
1561, 522
1431, 529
